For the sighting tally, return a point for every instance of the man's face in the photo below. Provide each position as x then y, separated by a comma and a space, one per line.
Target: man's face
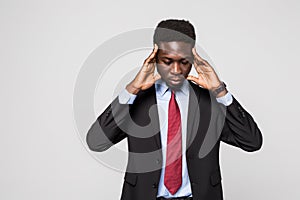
174, 62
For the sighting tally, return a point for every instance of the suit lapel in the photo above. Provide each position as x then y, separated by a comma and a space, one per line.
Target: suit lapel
193, 114
154, 116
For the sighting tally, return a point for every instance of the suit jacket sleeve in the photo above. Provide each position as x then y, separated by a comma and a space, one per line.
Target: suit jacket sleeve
106, 131
240, 129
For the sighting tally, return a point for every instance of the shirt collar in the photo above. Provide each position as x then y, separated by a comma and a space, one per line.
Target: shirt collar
162, 88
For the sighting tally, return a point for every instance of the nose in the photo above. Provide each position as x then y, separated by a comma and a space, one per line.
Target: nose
176, 69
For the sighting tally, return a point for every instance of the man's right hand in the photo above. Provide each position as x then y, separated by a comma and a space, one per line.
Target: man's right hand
145, 77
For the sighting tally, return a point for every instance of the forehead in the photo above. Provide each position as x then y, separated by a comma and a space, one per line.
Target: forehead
175, 48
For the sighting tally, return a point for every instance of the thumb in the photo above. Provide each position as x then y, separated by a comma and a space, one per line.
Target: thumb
199, 81
192, 78
157, 77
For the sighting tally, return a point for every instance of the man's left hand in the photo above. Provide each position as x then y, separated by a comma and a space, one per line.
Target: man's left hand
207, 77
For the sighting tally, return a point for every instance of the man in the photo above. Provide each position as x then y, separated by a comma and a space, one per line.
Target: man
174, 122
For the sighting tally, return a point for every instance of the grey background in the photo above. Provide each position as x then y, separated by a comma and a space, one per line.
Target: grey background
254, 45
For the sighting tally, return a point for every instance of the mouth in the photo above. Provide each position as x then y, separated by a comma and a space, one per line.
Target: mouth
176, 81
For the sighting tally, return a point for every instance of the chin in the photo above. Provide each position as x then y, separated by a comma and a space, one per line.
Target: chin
176, 86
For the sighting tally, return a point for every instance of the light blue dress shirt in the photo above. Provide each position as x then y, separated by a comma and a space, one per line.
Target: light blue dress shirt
163, 95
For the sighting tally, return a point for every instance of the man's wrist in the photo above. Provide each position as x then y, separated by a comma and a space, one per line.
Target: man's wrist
220, 90
132, 89
223, 93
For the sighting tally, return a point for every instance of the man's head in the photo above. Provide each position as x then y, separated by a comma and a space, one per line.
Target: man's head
175, 40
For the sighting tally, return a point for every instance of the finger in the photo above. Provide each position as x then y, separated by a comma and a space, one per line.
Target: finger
200, 68
203, 67
199, 80
199, 60
157, 77
151, 67
192, 78
152, 55
197, 55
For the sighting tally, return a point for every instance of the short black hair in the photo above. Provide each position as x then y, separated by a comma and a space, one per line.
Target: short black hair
174, 30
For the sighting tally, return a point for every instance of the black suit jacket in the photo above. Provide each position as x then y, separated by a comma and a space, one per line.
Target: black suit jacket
209, 122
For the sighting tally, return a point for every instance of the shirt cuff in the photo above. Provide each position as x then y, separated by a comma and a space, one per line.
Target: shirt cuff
126, 98
226, 100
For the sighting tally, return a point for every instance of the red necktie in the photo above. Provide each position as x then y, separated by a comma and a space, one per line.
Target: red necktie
173, 170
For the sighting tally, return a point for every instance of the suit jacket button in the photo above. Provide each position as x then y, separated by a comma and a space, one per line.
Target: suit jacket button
154, 185
157, 161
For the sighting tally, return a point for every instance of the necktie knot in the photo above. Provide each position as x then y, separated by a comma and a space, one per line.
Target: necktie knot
173, 103
172, 94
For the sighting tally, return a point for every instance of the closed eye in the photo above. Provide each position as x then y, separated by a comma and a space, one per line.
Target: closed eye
167, 62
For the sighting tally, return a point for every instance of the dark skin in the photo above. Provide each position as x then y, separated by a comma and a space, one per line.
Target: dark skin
173, 61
